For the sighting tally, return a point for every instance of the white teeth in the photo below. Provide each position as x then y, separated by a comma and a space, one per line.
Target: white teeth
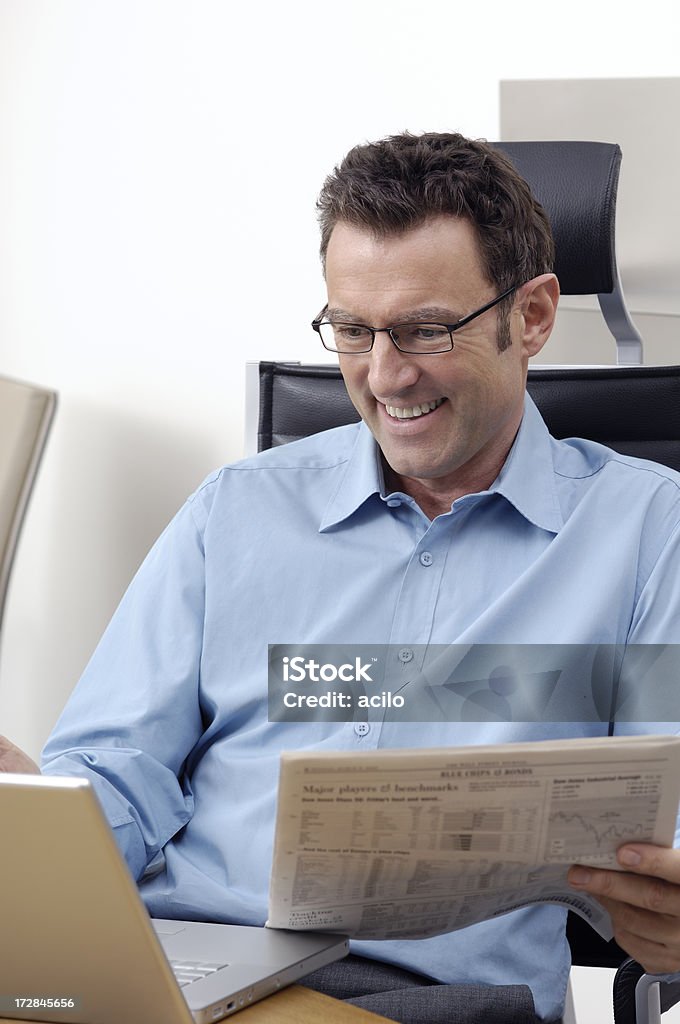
403, 413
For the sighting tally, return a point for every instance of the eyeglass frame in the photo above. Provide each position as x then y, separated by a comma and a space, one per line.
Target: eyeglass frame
318, 322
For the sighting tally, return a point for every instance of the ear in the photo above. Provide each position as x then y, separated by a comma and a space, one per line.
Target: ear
537, 307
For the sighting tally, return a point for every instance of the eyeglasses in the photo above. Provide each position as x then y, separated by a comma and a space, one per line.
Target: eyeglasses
421, 339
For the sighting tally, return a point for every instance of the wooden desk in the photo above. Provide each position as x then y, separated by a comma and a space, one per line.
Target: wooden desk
300, 1005
296, 1005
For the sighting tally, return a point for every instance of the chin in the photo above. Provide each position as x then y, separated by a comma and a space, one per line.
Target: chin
420, 465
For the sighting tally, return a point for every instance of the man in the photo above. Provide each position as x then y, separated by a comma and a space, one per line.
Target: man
448, 516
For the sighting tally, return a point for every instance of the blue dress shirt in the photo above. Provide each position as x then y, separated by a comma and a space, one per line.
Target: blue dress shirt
572, 544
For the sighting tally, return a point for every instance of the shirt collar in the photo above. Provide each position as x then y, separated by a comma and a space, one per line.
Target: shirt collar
527, 479
362, 478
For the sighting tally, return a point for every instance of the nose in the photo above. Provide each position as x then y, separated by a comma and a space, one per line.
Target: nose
390, 371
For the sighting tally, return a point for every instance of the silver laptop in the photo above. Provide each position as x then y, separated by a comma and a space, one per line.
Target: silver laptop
78, 945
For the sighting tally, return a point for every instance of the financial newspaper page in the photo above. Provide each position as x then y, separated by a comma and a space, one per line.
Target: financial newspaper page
411, 843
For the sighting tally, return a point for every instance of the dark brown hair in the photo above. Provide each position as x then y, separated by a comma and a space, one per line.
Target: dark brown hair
399, 182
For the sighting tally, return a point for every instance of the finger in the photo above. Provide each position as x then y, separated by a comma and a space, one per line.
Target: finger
650, 893
652, 939
647, 925
646, 859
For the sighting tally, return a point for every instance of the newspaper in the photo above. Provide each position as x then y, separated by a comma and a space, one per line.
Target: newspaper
394, 844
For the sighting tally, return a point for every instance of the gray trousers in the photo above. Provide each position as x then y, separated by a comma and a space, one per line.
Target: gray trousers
410, 998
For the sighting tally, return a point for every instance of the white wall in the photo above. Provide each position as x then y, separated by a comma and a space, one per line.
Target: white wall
159, 163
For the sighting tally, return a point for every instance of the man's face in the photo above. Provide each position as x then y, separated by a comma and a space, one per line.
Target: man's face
431, 273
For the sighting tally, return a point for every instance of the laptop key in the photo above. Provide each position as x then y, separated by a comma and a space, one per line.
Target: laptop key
185, 971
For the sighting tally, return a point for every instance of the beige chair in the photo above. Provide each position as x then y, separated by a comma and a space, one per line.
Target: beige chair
26, 415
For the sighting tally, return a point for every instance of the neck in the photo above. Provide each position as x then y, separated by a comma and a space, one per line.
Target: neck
436, 496
431, 499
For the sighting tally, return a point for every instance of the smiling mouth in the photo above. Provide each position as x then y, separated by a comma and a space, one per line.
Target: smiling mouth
411, 411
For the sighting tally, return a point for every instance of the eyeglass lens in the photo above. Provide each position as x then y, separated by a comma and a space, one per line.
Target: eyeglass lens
341, 337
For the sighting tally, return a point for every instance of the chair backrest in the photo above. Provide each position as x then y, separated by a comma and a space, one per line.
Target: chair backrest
576, 183
26, 414
634, 410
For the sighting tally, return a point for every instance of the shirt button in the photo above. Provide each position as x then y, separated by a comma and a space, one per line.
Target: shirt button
426, 558
405, 655
361, 728
393, 503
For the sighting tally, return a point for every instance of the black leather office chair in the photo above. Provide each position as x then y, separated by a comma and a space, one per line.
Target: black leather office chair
633, 409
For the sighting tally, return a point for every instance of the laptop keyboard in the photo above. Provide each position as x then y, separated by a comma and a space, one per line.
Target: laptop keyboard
185, 971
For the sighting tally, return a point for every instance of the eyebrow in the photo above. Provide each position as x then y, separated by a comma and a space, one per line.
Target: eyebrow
423, 314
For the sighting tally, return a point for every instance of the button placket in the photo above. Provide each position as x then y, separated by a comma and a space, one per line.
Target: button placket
420, 590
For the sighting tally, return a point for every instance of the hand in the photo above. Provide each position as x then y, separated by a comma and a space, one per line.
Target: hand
14, 760
643, 902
